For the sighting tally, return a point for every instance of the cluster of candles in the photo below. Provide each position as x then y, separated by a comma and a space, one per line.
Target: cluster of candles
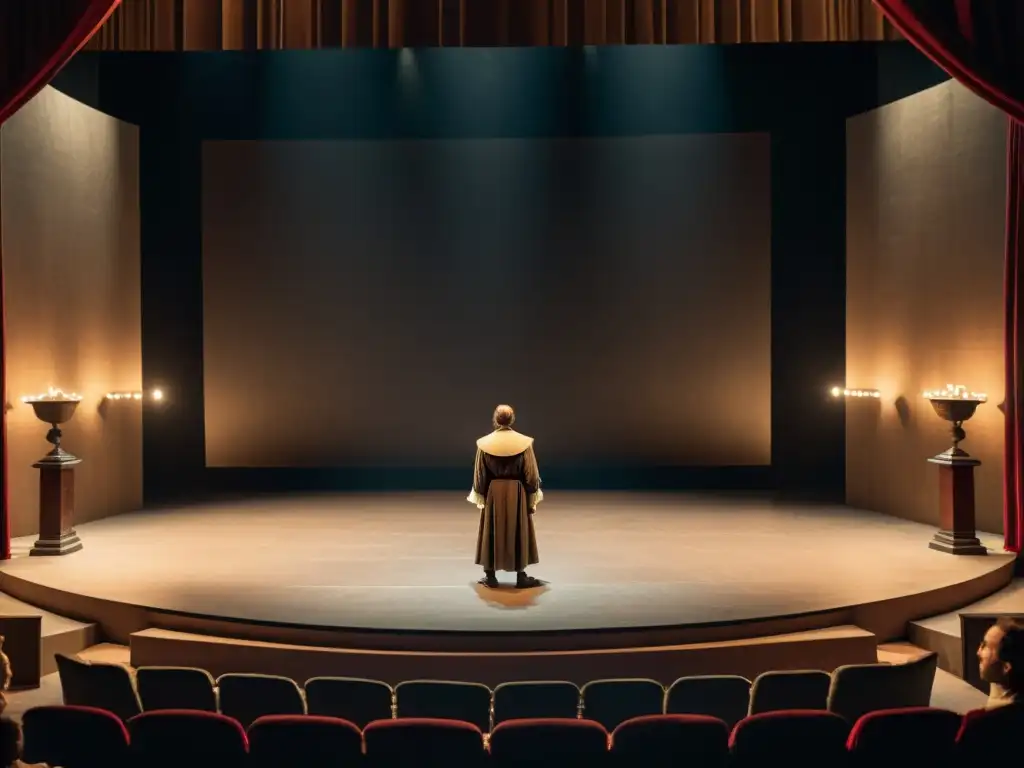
955, 392
840, 392
53, 395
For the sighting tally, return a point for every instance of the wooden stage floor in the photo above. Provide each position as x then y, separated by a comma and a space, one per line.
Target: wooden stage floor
405, 562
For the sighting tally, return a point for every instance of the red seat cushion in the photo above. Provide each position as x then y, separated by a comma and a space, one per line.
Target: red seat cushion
988, 735
307, 740
794, 738
894, 736
74, 736
423, 742
176, 737
699, 741
547, 741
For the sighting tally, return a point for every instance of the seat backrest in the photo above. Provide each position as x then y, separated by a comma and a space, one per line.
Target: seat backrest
667, 741
100, 685
857, 689
246, 697
986, 736
444, 700
795, 689
350, 698
794, 738
548, 742
310, 741
74, 682
173, 738
726, 697
536, 698
614, 701
890, 738
424, 743
74, 737
176, 688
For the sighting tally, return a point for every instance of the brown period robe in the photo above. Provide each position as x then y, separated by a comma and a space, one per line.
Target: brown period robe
506, 489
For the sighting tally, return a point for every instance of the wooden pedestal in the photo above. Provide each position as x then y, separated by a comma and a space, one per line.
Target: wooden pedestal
956, 534
56, 509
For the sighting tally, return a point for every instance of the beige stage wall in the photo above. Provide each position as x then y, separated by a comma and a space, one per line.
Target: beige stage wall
69, 223
925, 215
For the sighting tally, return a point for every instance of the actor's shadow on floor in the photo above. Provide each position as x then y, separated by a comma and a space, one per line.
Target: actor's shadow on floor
508, 598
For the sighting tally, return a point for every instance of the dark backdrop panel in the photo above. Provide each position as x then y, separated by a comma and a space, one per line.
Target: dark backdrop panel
800, 94
368, 303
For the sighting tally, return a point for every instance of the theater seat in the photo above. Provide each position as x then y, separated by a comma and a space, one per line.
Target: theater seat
986, 736
793, 738
424, 743
100, 685
445, 700
175, 738
791, 689
614, 701
354, 699
668, 741
548, 743
247, 697
73, 674
75, 737
895, 738
726, 697
176, 688
309, 741
857, 689
536, 698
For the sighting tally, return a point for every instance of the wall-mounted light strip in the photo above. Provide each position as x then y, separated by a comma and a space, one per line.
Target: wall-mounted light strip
156, 394
123, 396
843, 392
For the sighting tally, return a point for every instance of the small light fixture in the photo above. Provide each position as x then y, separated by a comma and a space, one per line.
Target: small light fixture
955, 404
55, 407
838, 392
156, 394
53, 394
123, 396
955, 392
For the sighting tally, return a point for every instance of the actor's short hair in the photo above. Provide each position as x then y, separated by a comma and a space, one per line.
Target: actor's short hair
1011, 650
504, 416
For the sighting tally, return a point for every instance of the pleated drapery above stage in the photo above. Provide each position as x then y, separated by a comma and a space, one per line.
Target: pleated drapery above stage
211, 25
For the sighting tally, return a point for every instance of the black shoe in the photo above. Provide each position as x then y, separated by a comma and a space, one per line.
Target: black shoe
528, 582
489, 580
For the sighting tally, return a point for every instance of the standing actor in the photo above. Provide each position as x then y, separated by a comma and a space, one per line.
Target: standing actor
506, 490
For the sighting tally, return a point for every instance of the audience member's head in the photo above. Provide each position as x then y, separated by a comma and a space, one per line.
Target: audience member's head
10, 742
504, 417
1001, 655
5, 675
5, 668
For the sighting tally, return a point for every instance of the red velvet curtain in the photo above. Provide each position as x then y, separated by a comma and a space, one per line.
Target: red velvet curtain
1013, 289
981, 44
37, 38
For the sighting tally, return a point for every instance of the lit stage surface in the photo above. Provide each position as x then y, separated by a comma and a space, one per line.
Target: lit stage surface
401, 565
